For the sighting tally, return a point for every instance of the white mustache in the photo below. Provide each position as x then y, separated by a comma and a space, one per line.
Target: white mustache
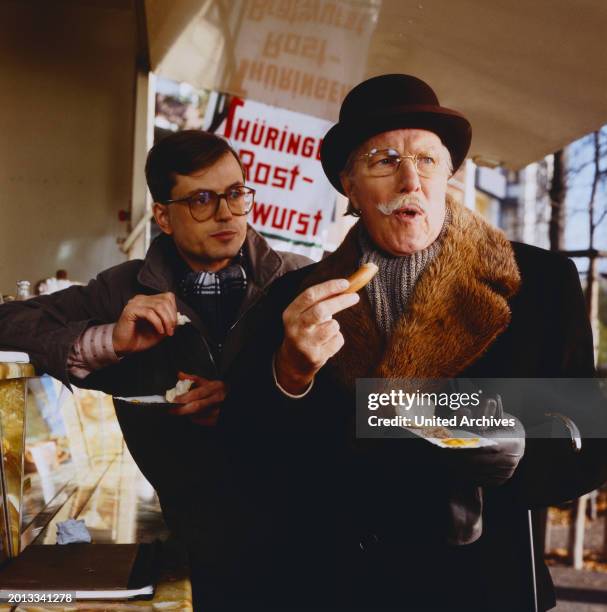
407, 201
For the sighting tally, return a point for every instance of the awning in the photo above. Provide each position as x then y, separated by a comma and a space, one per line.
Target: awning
530, 76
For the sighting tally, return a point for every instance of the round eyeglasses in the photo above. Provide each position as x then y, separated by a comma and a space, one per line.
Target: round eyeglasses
385, 162
204, 203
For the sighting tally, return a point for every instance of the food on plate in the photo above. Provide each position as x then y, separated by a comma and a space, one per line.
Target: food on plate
182, 386
445, 438
361, 277
461, 441
438, 432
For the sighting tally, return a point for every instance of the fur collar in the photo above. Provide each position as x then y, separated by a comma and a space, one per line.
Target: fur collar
458, 308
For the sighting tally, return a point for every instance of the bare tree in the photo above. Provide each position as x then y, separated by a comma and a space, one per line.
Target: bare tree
558, 191
595, 218
584, 172
562, 179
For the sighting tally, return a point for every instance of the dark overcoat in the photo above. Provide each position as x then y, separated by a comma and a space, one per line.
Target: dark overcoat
342, 523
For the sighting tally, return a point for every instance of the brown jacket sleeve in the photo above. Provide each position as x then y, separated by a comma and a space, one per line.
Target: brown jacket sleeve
46, 327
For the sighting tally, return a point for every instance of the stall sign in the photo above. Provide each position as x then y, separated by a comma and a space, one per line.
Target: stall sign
280, 151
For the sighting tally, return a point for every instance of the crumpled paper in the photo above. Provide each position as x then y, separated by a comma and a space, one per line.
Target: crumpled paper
73, 531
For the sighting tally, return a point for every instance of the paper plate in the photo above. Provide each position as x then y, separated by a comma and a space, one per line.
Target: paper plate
144, 399
460, 439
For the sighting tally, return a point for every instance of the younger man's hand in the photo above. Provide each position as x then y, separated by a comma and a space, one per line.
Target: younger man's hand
202, 402
145, 321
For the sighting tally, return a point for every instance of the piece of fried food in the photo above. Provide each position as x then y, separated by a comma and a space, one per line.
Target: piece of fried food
182, 386
361, 277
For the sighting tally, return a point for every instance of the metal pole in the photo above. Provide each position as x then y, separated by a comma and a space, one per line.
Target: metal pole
533, 573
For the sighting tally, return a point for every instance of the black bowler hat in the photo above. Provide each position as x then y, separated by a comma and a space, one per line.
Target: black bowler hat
391, 102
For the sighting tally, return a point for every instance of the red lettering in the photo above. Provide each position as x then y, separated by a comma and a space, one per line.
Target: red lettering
293, 144
234, 104
294, 174
275, 224
257, 133
259, 178
247, 158
303, 221
292, 213
282, 139
308, 147
317, 219
271, 136
280, 177
242, 130
261, 212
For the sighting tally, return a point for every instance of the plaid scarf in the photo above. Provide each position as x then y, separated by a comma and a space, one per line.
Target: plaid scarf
216, 297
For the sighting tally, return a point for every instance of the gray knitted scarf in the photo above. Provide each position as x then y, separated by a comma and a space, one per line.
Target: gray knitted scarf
392, 287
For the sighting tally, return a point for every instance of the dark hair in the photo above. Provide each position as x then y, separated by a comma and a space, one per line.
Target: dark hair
182, 153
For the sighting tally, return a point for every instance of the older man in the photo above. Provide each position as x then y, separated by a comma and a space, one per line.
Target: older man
345, 523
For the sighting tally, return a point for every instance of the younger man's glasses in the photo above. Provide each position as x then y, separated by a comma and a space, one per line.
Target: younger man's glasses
204, 203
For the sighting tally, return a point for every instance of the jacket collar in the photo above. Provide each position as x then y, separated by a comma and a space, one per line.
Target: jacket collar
458, 308
162, 263
162, 268
265, 265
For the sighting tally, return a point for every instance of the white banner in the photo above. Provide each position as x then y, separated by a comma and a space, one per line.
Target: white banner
280, 151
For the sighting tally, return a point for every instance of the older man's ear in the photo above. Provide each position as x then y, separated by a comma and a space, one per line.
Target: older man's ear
346, 183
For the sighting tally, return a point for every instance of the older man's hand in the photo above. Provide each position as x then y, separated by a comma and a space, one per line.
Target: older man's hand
491, 465
312, 335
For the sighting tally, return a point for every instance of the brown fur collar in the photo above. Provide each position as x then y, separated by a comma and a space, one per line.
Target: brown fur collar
458, 308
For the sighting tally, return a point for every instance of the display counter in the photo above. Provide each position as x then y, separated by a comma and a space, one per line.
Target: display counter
63, 456
13, 396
